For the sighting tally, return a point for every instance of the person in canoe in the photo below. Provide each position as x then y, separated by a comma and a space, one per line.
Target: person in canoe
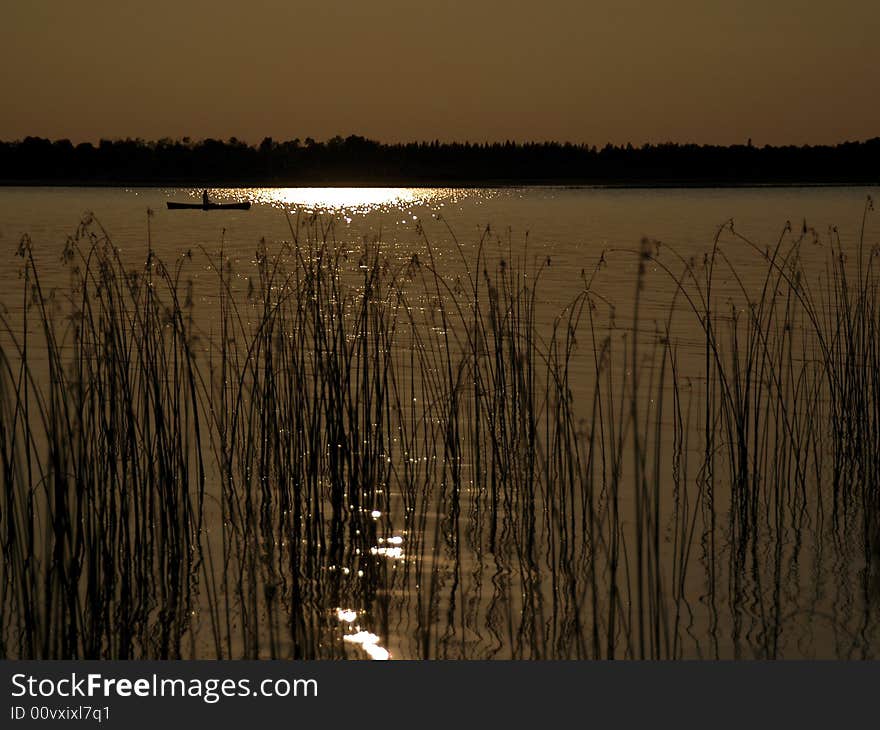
205, 200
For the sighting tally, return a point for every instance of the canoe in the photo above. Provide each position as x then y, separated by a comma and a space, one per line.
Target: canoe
209, 206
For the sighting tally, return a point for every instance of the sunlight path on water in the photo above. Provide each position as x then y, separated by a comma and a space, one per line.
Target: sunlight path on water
343, 200
366, 640
348, 618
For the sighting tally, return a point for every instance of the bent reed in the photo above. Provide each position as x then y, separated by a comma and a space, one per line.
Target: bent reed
222, 479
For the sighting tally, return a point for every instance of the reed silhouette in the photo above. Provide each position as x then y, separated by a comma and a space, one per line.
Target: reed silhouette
228, 480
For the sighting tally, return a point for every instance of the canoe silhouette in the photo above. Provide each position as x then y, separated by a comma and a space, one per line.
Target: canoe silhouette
209, 206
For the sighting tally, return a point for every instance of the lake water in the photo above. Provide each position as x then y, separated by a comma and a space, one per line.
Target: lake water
574, 224
546, 479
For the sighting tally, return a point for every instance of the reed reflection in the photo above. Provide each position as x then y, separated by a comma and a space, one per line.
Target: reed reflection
348, 456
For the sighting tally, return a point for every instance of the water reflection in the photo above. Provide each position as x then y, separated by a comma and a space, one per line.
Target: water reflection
341, 200
539, 519
365, 640
346, 615
369, 643
389, 548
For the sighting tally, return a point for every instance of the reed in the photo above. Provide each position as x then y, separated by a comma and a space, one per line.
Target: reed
221, 480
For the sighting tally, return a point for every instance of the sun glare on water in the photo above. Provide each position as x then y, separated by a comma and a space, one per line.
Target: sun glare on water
340, 200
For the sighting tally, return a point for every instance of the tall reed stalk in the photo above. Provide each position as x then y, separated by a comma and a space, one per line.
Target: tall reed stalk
221, 480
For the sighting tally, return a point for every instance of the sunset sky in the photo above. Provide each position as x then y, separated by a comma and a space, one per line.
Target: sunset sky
584, 71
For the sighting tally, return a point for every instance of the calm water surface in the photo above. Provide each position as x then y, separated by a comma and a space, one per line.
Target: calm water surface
575, 223
572, 226
445, 587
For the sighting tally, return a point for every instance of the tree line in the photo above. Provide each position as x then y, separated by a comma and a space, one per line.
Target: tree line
357, 160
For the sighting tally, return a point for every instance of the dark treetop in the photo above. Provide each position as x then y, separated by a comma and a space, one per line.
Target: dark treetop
359, 161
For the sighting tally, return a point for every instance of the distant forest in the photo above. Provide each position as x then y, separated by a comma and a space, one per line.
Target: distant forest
356, 160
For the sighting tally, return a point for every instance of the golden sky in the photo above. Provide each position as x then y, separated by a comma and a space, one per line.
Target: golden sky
592, 71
